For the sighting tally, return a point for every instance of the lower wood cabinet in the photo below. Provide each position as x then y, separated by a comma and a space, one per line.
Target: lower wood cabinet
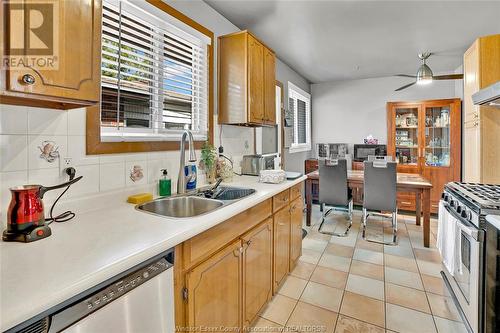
257, 270
281, 246
214, 290
296, 218
227, 274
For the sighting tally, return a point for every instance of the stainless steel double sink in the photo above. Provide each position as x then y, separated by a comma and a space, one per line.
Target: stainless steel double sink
195, 203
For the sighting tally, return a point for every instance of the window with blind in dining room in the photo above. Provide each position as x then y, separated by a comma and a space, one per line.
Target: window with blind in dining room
299, 104
154, 75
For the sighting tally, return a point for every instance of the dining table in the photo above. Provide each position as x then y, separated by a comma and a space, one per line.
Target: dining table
406, 182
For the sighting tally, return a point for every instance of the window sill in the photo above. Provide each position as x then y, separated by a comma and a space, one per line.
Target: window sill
299, 149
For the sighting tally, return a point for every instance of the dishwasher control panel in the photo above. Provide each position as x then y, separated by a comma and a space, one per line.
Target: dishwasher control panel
114, 290
126, 284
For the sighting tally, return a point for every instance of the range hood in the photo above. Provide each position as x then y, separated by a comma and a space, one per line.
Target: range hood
489, 96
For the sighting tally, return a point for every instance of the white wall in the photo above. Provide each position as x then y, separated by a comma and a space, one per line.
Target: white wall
348, 111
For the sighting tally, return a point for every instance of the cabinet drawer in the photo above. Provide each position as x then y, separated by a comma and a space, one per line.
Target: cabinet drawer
281, 200
208, 242
295, 191
406, 201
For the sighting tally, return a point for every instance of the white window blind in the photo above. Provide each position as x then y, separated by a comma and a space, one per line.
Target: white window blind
299, 103
154, 75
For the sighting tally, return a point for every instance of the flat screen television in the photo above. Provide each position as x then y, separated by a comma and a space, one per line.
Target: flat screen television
361, 152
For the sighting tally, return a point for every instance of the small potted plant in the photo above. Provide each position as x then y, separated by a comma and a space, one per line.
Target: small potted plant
209, 161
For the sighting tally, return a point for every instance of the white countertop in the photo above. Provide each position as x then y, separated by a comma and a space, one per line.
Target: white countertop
96, 246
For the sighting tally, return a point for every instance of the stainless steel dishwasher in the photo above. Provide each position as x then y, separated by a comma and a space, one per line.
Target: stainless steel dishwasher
140, 300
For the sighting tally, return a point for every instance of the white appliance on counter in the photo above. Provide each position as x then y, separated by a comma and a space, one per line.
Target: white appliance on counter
139, 300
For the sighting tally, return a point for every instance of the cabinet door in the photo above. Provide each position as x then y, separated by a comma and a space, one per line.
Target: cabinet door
296, 218
257, 270
214, 297
269, 87
281, 245
471, 82
76, 40
255, 81
472, 152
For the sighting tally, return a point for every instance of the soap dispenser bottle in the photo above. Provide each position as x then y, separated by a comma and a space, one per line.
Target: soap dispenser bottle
165, 184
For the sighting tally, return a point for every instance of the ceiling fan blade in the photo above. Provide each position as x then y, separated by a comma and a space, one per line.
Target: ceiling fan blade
448, 77
404, 87
406, 75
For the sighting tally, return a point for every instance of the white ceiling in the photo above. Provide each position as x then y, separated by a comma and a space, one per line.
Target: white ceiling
339, 40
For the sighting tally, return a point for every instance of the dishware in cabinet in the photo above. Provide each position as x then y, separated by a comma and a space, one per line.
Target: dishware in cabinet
424, 138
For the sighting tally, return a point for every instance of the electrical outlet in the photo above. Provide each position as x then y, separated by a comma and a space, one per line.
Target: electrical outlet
64, 163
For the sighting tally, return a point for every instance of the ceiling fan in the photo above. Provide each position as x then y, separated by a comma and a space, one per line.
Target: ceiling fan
424, 74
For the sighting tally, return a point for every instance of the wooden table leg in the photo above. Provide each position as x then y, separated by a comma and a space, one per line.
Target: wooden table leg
427, 215
308, 201
418, 208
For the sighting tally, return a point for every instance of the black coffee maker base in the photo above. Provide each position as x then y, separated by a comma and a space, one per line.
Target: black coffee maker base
27, 236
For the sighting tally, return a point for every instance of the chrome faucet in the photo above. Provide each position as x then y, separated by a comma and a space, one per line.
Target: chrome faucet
182, 180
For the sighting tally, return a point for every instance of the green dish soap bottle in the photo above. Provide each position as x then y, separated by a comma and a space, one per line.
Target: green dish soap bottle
165, 184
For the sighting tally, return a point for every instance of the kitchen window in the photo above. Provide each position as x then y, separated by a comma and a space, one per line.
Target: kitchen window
299, 103
155, 78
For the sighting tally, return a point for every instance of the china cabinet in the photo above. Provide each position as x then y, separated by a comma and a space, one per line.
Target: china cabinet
425, 137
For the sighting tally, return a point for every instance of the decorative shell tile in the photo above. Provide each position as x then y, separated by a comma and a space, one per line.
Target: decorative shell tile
136, 173
49, 151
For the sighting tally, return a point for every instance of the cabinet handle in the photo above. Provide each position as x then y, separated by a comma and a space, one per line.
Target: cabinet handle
475, 124
281, 224
405, 202
28, 79
249, 242
476, 115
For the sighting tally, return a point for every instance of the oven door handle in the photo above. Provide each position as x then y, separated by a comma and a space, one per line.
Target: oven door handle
471, 232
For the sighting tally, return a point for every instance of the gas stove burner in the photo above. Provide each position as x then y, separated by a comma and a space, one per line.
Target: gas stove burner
482, 195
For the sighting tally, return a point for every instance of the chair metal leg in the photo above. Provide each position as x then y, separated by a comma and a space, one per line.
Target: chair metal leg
394, 224
346, 232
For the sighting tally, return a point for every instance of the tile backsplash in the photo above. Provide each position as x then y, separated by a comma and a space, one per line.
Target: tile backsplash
25, 130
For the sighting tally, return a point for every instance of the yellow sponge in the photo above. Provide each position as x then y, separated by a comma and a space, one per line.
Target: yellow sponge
140, 198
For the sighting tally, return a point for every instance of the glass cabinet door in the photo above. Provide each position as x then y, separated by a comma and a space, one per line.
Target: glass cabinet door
437, 136
406, 135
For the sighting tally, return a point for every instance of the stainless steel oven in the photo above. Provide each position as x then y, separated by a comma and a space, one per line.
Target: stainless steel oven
465, 280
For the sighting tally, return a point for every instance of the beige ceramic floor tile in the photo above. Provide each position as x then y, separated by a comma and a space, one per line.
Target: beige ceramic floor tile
443, 307
303, 270
403, 278
330, 277
435, 285
293, 287
264, 325
366, 269
363, 308
429, 268
403, 263
369, 256
399, 250
407, 297
305, 317
349, 240
279, 309
431, 255
323, 296
340, 250
335, 262
314, 244
402, 319
449, 326
310, 256
363, 244
350, 325
365, 286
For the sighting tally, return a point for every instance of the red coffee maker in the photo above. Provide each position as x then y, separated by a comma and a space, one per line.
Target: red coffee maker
25, 215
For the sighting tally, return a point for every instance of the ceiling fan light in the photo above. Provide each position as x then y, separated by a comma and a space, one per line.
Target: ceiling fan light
424, 75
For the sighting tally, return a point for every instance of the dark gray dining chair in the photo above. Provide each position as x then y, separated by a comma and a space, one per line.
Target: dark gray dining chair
334, 192
380, 179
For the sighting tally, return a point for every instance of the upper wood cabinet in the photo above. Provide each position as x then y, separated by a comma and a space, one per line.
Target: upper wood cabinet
481, 123
63, 54
246, 69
